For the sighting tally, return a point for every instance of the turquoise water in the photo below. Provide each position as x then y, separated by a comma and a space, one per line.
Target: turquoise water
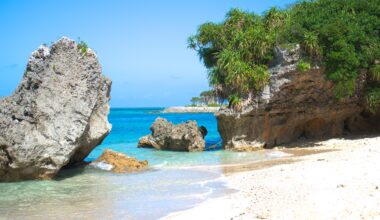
128, 125
174, 181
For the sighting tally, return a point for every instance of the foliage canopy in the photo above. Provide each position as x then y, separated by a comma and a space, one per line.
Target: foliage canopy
343, 35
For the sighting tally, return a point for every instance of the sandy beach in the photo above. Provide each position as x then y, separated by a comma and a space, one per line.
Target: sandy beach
340, 180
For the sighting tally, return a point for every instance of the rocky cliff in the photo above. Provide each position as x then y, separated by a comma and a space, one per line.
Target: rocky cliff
295, 104
57, 115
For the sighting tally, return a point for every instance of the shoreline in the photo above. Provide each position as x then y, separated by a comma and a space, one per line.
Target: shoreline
190, 109
340, 182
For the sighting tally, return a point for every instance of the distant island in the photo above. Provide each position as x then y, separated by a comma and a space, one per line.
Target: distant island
191, 109
206, 102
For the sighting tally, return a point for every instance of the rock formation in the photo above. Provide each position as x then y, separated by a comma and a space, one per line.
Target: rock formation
57, 115
293, 105
118, 162
182, 137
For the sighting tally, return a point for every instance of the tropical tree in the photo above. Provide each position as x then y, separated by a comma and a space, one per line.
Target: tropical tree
237, 50
195, 100
340, 35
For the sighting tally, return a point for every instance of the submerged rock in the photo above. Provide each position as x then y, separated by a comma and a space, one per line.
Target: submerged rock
57, 115
294, 104
182, 137
118, 162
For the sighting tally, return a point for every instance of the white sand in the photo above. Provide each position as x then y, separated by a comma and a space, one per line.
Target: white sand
342, 184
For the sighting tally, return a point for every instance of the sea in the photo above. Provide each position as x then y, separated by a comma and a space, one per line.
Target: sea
174, 181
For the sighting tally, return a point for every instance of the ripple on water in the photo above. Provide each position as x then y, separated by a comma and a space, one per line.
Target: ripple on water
176, 181
97, 194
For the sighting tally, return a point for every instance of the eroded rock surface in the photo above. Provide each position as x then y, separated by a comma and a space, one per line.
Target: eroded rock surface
182, 137
294, 105
56, 116
118, 162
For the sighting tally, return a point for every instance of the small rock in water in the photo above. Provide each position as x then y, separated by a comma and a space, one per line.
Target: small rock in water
118, 162
182, 137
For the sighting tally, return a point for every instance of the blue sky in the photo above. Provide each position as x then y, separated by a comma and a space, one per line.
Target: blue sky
141, 44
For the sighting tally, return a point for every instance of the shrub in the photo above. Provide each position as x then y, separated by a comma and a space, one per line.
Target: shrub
214, 105
83, 47
343, 34
373, 98
234, 100
237, 50
303, 66
375, 72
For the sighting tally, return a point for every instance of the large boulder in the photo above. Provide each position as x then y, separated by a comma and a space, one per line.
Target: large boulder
118, 162
182, 137
295, 104
57, 115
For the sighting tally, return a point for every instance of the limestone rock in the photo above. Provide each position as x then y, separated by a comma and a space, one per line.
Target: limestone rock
294, 105
118, 162
56, 116
239, 144
183, 137
148, 142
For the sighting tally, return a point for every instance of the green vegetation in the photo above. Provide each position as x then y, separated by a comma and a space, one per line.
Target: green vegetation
207, 98
195, 101
303, 66
375, 72
373, 98
341, 35
234, 101
237, 50
83, 47
344, 34
214, 105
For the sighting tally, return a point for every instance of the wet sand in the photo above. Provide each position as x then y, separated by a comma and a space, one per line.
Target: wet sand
294, 156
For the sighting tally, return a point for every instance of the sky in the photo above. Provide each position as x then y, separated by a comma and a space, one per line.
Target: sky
141, 44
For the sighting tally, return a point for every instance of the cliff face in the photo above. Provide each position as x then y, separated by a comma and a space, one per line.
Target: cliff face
57, 115
294, 104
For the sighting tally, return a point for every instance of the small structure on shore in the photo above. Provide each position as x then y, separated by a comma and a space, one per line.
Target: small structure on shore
167, 136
